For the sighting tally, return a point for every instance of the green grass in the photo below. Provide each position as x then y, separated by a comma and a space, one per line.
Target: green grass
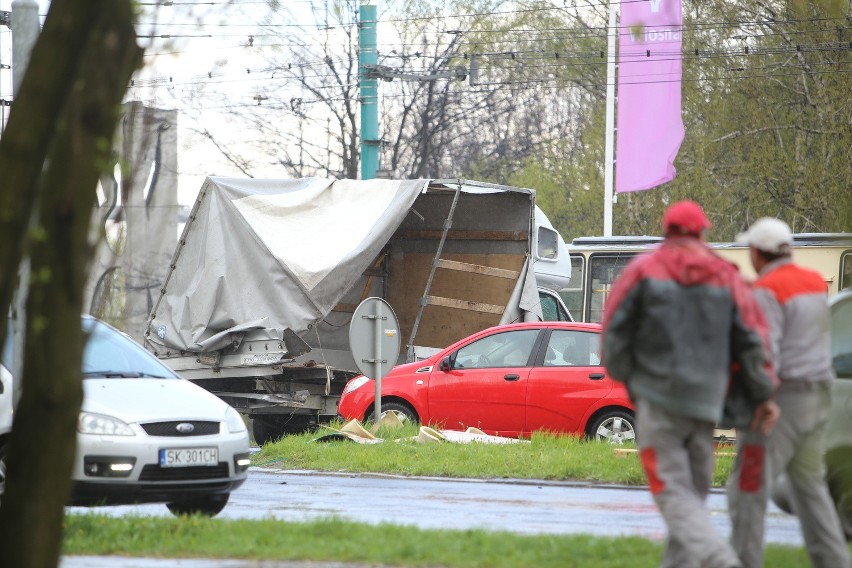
546, 457
341, 541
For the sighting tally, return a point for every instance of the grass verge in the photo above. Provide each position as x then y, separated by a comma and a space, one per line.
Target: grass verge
545, 456
342, 541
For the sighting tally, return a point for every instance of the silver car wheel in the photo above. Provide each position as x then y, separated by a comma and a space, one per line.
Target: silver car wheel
616, 427
405, 413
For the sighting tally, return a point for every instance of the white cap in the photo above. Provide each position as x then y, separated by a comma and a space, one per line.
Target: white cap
769, 235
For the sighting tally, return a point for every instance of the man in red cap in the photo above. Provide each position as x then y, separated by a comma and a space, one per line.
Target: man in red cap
677, 320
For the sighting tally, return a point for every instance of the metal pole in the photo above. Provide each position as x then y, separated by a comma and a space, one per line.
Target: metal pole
368, 55
379, 326
609, 194
5, 20
25, 31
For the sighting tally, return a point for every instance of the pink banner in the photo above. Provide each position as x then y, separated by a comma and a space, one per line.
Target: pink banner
649, 127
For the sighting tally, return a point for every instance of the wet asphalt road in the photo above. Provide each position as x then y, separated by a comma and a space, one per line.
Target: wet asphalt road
520, 506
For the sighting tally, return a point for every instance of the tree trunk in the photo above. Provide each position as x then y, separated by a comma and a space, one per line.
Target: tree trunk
42, 446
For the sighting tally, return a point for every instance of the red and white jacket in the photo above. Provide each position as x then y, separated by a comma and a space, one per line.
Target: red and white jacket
795, 303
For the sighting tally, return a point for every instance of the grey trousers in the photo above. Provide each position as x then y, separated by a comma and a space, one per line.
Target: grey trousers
795, 447
677, 455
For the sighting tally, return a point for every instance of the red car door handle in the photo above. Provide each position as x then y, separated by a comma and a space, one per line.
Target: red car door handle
596, 376
511, 377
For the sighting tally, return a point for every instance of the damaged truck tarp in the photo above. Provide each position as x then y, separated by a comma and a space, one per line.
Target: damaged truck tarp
267, 274
269, 255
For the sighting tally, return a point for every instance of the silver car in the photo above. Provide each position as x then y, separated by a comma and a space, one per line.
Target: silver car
5, 421
147, 436
838, 455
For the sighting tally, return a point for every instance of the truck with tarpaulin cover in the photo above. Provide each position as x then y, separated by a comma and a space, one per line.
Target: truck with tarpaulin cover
257, 300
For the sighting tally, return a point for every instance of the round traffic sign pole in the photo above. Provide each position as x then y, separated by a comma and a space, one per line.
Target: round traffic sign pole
377, 363
374, 340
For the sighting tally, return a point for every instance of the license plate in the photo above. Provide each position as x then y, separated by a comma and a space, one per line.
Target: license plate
261, 359
188, 457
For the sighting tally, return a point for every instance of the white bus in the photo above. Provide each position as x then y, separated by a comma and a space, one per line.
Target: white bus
597, 261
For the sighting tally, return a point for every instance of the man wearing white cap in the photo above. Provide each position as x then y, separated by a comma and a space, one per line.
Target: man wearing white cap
794, 301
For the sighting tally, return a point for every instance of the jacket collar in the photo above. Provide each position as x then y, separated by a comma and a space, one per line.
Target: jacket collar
777, 263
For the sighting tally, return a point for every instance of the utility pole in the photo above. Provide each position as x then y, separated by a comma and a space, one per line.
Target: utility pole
609, 153
5, 20
368, 56
369, 73
25, 31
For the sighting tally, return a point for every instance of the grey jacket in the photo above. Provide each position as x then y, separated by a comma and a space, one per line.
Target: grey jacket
795, 303
675, 324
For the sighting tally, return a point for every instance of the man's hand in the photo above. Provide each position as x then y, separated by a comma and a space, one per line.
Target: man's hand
765, 416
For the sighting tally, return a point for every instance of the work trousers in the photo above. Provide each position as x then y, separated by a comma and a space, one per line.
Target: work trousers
677, 455
795, 447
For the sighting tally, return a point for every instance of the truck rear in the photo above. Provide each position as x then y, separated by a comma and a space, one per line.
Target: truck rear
257, 301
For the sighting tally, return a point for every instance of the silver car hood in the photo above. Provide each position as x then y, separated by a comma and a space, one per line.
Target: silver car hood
146, 400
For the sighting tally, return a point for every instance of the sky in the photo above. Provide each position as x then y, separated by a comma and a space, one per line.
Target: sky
211, 47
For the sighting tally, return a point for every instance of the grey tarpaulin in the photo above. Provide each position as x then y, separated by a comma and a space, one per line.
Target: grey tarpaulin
304, 236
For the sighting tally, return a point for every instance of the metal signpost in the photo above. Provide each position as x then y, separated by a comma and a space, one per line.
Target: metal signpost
374, 341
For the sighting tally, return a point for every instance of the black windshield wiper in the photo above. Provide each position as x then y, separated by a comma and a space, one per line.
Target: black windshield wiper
121, 374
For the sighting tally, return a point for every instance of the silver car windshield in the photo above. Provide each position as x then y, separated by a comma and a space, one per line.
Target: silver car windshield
108, 353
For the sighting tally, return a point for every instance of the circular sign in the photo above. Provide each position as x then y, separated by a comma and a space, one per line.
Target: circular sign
374, 337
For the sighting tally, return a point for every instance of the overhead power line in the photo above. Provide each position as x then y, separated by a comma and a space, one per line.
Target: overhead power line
569, 32
544, 82
565, 58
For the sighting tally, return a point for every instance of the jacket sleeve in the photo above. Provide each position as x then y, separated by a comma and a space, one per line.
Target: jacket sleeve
774, 315
620, 322
751, 346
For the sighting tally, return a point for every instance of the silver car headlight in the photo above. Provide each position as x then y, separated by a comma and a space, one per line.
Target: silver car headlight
100, 424
355, 384
234, 421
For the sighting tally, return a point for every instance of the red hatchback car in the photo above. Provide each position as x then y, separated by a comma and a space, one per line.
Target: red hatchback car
508, 380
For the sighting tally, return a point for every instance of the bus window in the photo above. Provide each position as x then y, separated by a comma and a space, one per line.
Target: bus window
597, 261
573, 295
603, 269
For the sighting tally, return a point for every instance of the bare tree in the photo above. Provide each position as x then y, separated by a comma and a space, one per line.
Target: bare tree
439, 117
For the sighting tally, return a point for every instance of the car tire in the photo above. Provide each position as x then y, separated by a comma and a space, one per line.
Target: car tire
781, 494
404, 411
264, 430
839, 477
3, 450
614, 426
271, 427
205, 505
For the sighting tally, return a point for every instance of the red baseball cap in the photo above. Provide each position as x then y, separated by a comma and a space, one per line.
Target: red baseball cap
687, 216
